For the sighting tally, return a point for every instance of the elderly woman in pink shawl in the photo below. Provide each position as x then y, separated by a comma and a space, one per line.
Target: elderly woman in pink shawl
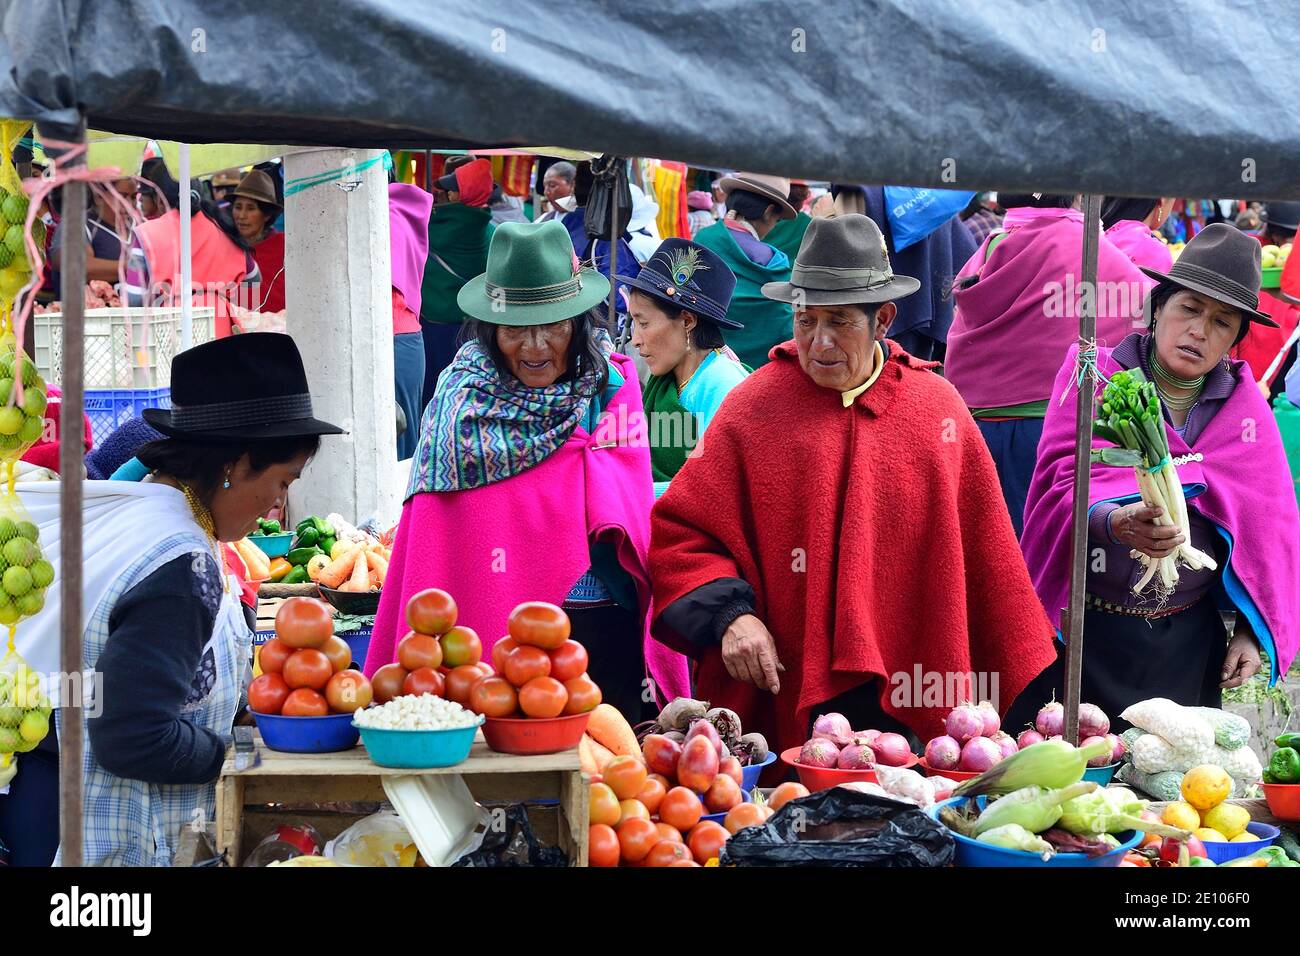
531, 481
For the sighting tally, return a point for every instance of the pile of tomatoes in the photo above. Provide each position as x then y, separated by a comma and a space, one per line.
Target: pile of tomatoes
305, 667
649, 811
437, 657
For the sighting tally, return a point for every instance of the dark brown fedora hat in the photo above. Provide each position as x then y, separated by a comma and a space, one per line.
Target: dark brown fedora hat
1222, 262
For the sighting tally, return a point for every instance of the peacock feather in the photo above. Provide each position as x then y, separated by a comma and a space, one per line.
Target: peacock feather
683, 263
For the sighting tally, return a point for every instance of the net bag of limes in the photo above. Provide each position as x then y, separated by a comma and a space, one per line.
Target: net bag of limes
16, 267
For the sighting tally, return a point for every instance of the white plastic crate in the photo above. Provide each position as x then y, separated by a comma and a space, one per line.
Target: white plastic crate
129, 348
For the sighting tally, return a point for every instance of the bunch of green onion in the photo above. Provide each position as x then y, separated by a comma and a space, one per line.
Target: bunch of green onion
1131, 417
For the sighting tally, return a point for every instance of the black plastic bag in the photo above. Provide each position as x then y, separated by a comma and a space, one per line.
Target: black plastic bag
609, 187
839, 827
513, 845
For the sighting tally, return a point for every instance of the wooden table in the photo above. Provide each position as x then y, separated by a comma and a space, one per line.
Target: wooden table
351, 777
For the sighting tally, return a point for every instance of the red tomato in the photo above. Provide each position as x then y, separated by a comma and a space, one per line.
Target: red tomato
493, 697
666, 853
305, 702
625, 776
669, 832
636, 838
337, 650
461, 681
431, 612
419, 650
786, 792
731, 767
743, 815
706, 839
267, 694
539, 624
387, 682
485, 668
304, 622
603, 805
723, 794
525, 663
348, 691
651, 794
627, 809
308, 668
461, 646
681, 808
424, 680
272, 656
583, 693
500, 651
568, 661
603, 848
685, 863
543, 697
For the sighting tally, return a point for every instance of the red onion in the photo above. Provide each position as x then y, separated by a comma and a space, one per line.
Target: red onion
835, 728
942, 753
1117, 748
1101, 761
1057, 737
1050, 721
892, 750
964, 722
865, 737
856, 757
819, 752
703, 728
1093, 721
1028, 738
979, 754
1006, 743
992, 722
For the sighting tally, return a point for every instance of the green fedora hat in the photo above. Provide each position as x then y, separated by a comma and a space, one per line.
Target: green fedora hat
532, 278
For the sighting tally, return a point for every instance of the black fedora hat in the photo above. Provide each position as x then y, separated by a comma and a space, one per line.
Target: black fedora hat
1222, 262
691, 277
248, 386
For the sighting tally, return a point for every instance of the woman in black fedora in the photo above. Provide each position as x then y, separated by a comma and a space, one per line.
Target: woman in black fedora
1161, 640
678, 304
164, 631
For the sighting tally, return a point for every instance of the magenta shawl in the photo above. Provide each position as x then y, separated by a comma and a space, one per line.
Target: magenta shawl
1243, 486
1140, 244
528, 538
409, 208
1013, 326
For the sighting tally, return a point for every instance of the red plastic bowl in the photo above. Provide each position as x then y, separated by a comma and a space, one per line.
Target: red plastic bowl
528, 737
956, 775
823, 778
1283, 800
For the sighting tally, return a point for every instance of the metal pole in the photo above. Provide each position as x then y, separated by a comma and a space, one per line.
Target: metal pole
613, 257
71, 463
428, 170
187, 267
1082, 473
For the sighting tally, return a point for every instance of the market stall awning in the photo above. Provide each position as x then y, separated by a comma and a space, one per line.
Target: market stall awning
1184, 99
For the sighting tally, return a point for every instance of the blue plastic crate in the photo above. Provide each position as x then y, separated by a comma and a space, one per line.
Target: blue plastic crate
109, 408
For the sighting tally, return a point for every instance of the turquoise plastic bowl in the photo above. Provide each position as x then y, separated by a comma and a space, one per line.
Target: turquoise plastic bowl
749, 775
307, 735
418, 749
273, 545
1101, 776
975, 854
1226, 852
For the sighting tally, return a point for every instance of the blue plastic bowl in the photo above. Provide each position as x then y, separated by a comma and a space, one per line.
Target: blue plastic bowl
749, 775
719, 817
273, 545
973, 853
307, 735
418, 749
1226, 852
1101, 776
358, 642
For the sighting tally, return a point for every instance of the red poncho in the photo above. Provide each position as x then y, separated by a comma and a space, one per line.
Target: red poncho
875, 538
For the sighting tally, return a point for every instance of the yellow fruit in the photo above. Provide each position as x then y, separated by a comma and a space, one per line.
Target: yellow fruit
1206, 786
1228, 818
1181, 815
316, 565
1210, 835
1244, 838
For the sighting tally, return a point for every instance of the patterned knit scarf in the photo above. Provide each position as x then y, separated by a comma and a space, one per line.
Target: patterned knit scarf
483, 425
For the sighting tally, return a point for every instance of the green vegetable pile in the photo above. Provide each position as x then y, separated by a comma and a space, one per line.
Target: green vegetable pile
313, 536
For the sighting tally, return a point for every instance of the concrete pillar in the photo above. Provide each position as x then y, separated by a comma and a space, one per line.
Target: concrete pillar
339, 302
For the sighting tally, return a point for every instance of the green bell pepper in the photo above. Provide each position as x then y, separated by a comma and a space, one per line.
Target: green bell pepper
1285, 765
271, 526
323, 528
307, 538
326, 545
297, 576
1291, 740
299, 557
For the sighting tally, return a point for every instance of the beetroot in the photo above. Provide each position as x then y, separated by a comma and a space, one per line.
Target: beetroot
1006, 743
992, 722
964, 723
978, 755
856, 757
1028, 738
819, 752
1093, 721
1101, 761
835, 728
1050, 720
892, 750
702, 728
1117, 748
942, 753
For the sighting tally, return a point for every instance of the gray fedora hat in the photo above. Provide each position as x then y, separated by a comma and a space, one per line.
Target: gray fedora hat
842, 260
1222, 262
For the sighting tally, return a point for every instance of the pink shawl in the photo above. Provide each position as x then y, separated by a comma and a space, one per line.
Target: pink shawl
1013, 326
528, 537
409, 208
1140, 244
1243, 486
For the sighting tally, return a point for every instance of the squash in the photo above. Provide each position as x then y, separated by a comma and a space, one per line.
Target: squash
608, 728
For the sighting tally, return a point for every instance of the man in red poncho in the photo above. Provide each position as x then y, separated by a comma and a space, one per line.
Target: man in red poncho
840, 533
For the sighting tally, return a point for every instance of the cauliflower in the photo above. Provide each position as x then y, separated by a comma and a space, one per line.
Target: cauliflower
1178, 725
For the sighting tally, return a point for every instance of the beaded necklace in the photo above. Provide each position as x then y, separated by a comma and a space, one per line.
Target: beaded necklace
1166, 379
203, 517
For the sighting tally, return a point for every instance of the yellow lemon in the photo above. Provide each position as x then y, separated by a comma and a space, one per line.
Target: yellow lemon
1210, 835
1244, 837
1206, 786
1181, 815
1228, 818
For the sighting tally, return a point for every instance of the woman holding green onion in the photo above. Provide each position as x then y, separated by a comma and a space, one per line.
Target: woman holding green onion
1218, 529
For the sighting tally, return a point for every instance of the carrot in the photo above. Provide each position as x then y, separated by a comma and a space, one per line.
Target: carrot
609, 729
379, 565
360, 580
259, 566
338, 570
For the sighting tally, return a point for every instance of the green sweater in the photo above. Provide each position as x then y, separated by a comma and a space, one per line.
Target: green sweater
459, 235
787, 235
766, 322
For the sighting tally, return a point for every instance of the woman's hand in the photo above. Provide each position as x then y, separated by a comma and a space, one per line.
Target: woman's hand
749, 653
1242, 661
1135, 525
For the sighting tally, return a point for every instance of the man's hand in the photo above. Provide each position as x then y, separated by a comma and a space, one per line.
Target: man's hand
1241, 662
1135, 525
749, 653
